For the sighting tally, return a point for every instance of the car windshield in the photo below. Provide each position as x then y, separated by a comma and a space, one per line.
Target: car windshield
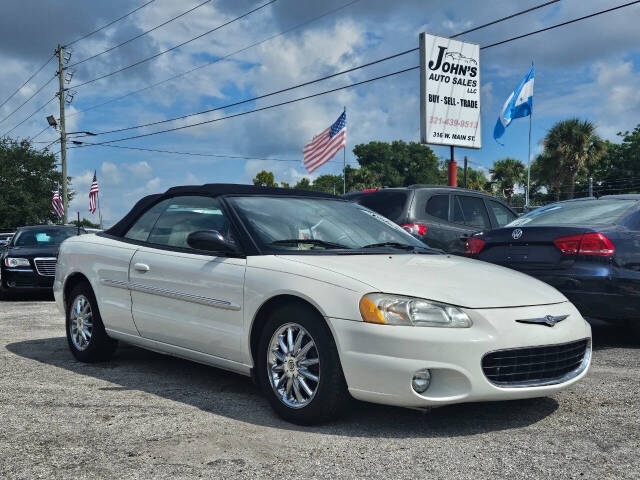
316, 224
603, 212
42, 237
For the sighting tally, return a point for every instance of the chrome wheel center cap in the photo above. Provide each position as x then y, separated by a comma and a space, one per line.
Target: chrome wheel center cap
290, 365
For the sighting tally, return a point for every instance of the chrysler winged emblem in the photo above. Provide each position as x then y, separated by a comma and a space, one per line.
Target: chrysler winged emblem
548, 320
516, 234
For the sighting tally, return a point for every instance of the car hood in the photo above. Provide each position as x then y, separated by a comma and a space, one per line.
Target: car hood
31, 252
448, 279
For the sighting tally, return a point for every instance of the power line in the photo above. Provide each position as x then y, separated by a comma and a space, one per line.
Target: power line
517, 14
108, 24
340, 88
222, 107
27, 81
28, 117
214, 155
254, 110
312, 81
139, 35
139, 62
601, 12
38, 134
28, 99
161, 82
316, 80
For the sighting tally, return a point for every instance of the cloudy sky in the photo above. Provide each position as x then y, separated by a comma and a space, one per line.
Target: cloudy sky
588, 69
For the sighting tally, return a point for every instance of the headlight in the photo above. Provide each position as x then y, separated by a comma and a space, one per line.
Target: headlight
16, 262
396, 310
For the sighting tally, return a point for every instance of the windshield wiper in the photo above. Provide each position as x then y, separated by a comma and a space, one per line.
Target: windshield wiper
402, 246
309, 241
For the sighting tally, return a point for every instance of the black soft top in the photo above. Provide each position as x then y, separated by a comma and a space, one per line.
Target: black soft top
209, 190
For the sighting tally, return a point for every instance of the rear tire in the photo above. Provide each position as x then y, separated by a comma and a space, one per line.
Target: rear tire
86, 336
317, 391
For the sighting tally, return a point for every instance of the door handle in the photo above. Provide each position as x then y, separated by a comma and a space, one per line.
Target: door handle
141, 267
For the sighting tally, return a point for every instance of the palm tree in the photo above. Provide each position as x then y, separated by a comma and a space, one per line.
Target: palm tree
507, 173
575, 144
547, 170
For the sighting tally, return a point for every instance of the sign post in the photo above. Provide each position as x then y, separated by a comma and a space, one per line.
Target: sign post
449, 93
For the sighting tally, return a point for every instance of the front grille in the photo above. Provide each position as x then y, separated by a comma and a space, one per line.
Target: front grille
531, 366
45, 266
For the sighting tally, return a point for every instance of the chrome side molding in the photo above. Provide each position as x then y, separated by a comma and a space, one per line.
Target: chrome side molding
163, 292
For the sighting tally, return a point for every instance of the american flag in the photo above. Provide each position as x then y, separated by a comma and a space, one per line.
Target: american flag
93, 194
324, 146
56, 204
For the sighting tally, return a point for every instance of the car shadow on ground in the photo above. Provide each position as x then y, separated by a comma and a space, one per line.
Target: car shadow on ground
235, 396
31, 297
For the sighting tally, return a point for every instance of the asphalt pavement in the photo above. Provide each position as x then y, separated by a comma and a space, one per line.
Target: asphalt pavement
146, 415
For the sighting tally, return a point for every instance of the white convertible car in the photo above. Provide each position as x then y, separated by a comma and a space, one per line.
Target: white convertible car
316, 298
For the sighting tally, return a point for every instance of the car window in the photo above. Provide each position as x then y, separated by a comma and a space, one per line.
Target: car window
503, 214
600, 212
42, 237
284, 223
185, 215
142, 228
471, 211
438, 206
388, 204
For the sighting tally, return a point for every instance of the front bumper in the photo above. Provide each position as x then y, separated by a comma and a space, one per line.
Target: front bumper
25, 279
379, 360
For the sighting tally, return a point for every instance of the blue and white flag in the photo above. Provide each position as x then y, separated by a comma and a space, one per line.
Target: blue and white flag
519, 104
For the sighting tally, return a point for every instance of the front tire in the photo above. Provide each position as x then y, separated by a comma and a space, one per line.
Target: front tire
86, 336
298, 366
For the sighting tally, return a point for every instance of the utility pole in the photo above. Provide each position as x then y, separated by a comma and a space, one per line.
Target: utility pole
465, 171
63, 135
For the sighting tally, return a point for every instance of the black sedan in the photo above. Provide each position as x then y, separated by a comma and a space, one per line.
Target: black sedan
28, 261
589, 249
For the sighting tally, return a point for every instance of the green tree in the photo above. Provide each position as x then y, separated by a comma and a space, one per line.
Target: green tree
618, 171
547, 172
265, 179
395, 164
575, 144
28, 178
475, 180
328, 184
507, 173
303, 184
85, 222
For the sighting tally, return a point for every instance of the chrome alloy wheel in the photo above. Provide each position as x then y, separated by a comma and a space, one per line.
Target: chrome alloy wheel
293, 365
81, 322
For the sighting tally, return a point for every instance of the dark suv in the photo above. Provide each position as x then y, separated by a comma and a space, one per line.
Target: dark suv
443, 217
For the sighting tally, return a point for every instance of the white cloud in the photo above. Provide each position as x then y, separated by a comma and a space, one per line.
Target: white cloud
140, 170
111, 173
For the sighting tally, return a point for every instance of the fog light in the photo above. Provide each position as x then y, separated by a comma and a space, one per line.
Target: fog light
421, 380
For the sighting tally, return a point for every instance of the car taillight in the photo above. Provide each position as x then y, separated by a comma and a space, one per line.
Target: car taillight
586, 244
415, 228
474, 246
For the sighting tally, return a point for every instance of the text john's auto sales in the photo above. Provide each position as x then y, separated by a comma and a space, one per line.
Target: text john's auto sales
449, 92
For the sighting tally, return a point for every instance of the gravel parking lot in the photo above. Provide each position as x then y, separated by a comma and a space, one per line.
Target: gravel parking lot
146, 415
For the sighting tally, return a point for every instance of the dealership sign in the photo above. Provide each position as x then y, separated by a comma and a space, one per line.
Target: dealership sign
449, 92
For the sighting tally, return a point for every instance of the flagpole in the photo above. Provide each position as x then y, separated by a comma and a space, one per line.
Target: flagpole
344, 161
526, 201
99, 211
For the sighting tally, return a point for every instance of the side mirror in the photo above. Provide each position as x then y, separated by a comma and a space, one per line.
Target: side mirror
210, 240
